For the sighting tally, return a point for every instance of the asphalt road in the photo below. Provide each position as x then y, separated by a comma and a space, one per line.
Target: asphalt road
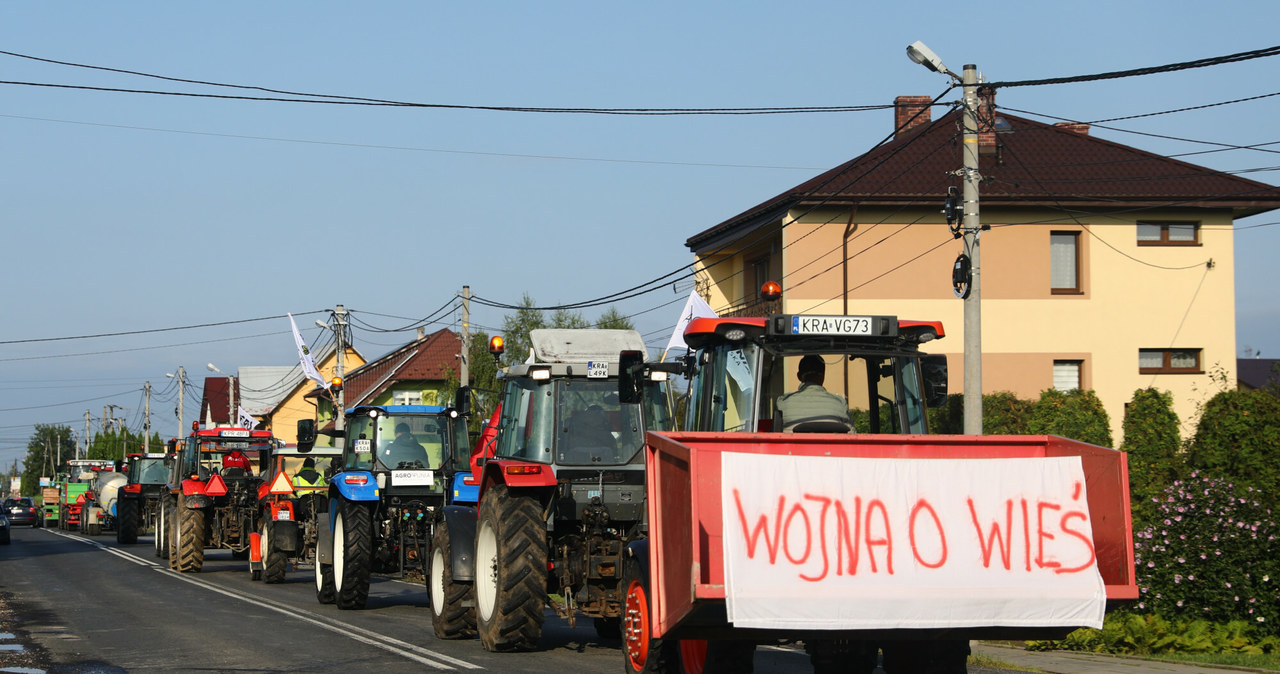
85, 604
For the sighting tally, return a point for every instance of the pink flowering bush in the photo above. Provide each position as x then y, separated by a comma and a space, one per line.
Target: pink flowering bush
1212, 553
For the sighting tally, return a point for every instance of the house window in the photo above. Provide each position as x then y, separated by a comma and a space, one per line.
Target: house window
1169, 361
759, 275
406, 398
1168, 233
1066, 374
1064, 262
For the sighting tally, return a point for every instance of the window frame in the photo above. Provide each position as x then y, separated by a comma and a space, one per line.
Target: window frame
1167, 367
1079, 286
1079, 373
1164, 239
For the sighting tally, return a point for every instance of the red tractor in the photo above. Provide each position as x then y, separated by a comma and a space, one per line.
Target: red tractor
852, 530
212, 499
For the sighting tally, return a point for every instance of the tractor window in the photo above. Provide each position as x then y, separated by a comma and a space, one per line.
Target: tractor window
724, 396
525, 431
593, 427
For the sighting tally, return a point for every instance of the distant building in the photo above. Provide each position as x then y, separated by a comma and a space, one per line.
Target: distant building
1258, 373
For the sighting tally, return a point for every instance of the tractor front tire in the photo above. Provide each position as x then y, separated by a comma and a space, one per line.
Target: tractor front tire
511, 571
453, 611
126, 521
190, 537
352, 554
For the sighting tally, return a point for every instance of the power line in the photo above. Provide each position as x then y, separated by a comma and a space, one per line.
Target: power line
154, 330
1153, 70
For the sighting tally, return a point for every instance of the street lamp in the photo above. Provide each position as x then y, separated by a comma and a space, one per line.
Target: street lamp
919, 53
231, 393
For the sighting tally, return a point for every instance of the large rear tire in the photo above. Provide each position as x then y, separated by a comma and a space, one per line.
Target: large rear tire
352, 554
453, 611
191, 537
276, 561
511, 571
126, 521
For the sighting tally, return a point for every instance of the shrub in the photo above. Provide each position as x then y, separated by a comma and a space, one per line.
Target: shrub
1152, 440
1003, 413
1212, 554
1154, 635
1077, 414
1238, 438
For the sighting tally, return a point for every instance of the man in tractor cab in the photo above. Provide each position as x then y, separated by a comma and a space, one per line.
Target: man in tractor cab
812, 408
308, 476
404, 449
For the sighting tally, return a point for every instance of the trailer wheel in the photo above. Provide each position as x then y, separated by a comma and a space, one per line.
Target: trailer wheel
190, 537
453, 612
352, 554
126, 521
642, 653
511, 571
275, 561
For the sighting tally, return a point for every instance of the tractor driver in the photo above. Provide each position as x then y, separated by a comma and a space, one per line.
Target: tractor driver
236, 459
812, 402
405, 448
308, 476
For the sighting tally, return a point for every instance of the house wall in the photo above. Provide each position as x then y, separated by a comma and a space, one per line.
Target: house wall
1131, 297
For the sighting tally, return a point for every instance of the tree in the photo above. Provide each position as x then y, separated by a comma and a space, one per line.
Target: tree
1003, 413
612, 319
1152, 441
47, 452
516, 328
1077, 414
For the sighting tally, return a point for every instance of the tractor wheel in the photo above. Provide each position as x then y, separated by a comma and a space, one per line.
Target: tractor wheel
190, 537
275, 561
642, 653
325, 594
126, 521
940, 656
352, 554
511, 571
162, 530
453, 612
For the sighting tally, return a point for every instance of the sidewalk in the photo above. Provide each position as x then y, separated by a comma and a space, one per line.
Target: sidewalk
1070, 662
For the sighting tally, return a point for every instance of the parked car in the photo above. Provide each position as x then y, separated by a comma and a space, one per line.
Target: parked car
4, 529
22, 510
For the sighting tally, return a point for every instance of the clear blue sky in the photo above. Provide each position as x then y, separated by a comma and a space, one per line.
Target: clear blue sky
129, 212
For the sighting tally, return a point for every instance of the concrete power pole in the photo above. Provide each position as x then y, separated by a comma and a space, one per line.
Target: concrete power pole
972, 230
146, 422
465, 358
182, 386
340, 331
86, 433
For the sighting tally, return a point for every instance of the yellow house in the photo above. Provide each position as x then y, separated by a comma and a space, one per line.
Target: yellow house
283, 418
1105, 267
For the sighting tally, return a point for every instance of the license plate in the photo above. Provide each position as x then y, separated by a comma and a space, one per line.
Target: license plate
830, 325
234, 434
364, 446
597, 369
412, 478
283, 515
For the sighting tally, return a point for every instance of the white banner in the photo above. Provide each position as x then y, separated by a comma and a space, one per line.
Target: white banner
694, 307
304, 356
860, 543
245, 419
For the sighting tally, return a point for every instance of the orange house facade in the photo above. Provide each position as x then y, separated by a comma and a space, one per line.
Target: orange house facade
1105, 267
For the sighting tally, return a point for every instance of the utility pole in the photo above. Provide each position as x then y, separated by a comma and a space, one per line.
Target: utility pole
86, 433
339, 371
182, 386
465, 357
972, 230
146, 422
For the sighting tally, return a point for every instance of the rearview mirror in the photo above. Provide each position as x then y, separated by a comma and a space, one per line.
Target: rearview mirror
630, 368
462, 401
306, 434
934, 369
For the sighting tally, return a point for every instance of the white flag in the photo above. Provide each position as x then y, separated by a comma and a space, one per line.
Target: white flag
304, 356
246, 420
696, 307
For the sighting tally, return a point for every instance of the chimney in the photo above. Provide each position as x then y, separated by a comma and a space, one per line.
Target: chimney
907, 107
422, 333
986, 120
1075, 127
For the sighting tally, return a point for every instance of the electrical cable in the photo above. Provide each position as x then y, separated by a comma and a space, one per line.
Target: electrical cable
1135, 72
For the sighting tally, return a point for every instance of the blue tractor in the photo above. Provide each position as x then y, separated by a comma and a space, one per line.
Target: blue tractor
396, 473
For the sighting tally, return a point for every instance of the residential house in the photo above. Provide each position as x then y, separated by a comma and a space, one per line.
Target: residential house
418, 373
275, 395
1258, 373
1105, 266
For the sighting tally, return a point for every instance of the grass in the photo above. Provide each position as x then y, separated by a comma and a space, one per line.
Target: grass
979, 660
1267, 662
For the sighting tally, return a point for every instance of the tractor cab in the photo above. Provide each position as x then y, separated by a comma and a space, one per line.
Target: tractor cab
741, 368
399, 438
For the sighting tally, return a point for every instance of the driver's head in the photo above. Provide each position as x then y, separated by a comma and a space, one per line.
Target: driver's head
812, 369
402, 428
